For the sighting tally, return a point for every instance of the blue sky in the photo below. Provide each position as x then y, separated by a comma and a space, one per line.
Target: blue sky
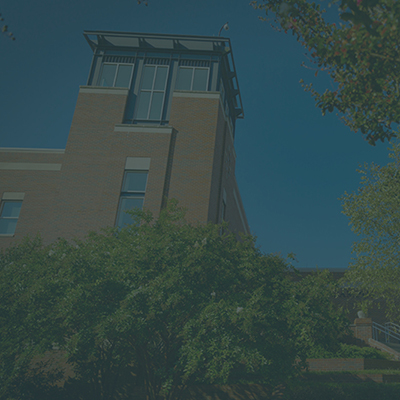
292, 163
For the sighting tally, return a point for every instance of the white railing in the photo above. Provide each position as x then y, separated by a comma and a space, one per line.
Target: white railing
390, 330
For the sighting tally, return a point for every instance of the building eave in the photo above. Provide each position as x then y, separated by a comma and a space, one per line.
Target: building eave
142, 42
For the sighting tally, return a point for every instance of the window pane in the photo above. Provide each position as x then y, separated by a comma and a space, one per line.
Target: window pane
123, 76
7, 226
161, 77
143, 106
11, 209
148, 77
128, 204
135, 181
108, 75
200, 79
184, 78
156, 105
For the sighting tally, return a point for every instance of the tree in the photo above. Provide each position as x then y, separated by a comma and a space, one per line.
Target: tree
135, 300
374, 215
163, 305
361, 55
5, 31
317, 323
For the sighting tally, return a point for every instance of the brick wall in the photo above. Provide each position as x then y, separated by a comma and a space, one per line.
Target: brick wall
349, 364
39, 186
362, 329
95, 162
186, 161
195, 120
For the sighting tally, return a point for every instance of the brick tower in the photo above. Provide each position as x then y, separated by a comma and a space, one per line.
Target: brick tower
156, 120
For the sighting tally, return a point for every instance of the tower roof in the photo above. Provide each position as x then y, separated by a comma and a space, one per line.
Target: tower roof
166, 43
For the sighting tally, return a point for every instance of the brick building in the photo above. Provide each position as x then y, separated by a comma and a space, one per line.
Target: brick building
156, 120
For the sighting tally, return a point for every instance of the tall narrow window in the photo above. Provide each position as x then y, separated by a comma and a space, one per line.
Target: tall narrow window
9, 216
132, 195
152, 92
224, 100
116, 75
228, 160
223, 210
192, 78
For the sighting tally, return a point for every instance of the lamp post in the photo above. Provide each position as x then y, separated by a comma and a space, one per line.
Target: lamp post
225, 26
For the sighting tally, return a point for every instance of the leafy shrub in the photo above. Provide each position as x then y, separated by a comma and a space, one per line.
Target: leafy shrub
342, 391
349, 351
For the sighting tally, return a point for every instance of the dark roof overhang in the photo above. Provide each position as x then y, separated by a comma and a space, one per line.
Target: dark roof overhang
131, 41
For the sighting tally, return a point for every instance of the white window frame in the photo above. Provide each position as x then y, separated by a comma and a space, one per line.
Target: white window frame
3, 201
138, 194
116, 73
152, 91
193, 68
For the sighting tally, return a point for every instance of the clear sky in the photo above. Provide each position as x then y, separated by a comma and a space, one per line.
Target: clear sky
292, 163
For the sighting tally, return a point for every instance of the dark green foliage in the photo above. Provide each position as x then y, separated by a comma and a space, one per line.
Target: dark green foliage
360, 55
349, 351
161, 305
342, 391
5, 31
374, 216
317, 323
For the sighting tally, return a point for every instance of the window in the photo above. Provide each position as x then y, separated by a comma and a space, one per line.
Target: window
9, 216
152, 92
228, 160
192, 78
224, 100
223, 210
116, 75
132, 195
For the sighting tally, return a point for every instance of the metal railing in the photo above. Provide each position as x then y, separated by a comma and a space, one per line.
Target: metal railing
390, 331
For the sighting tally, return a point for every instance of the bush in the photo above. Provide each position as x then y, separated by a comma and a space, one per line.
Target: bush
343, 391
350, 351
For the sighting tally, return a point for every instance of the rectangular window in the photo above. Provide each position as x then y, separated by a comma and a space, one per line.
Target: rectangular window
152, 92
132, 195
223, 210
224, 100
9, 216
192, 78
228, 160
116, 75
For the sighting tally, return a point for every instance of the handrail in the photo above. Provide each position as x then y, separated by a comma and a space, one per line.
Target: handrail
387, 330
391, 324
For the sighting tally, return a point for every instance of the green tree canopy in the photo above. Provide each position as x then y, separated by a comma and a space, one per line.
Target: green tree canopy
5, 31
162, 304
374, 214
361, 56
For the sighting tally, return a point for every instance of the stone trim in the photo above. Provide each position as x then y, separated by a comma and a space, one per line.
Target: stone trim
30, 166
142, 128
196, 94
103, 90
140, 163
13, 196
27, 150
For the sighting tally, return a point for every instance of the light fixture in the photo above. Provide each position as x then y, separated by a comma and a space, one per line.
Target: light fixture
225, 26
